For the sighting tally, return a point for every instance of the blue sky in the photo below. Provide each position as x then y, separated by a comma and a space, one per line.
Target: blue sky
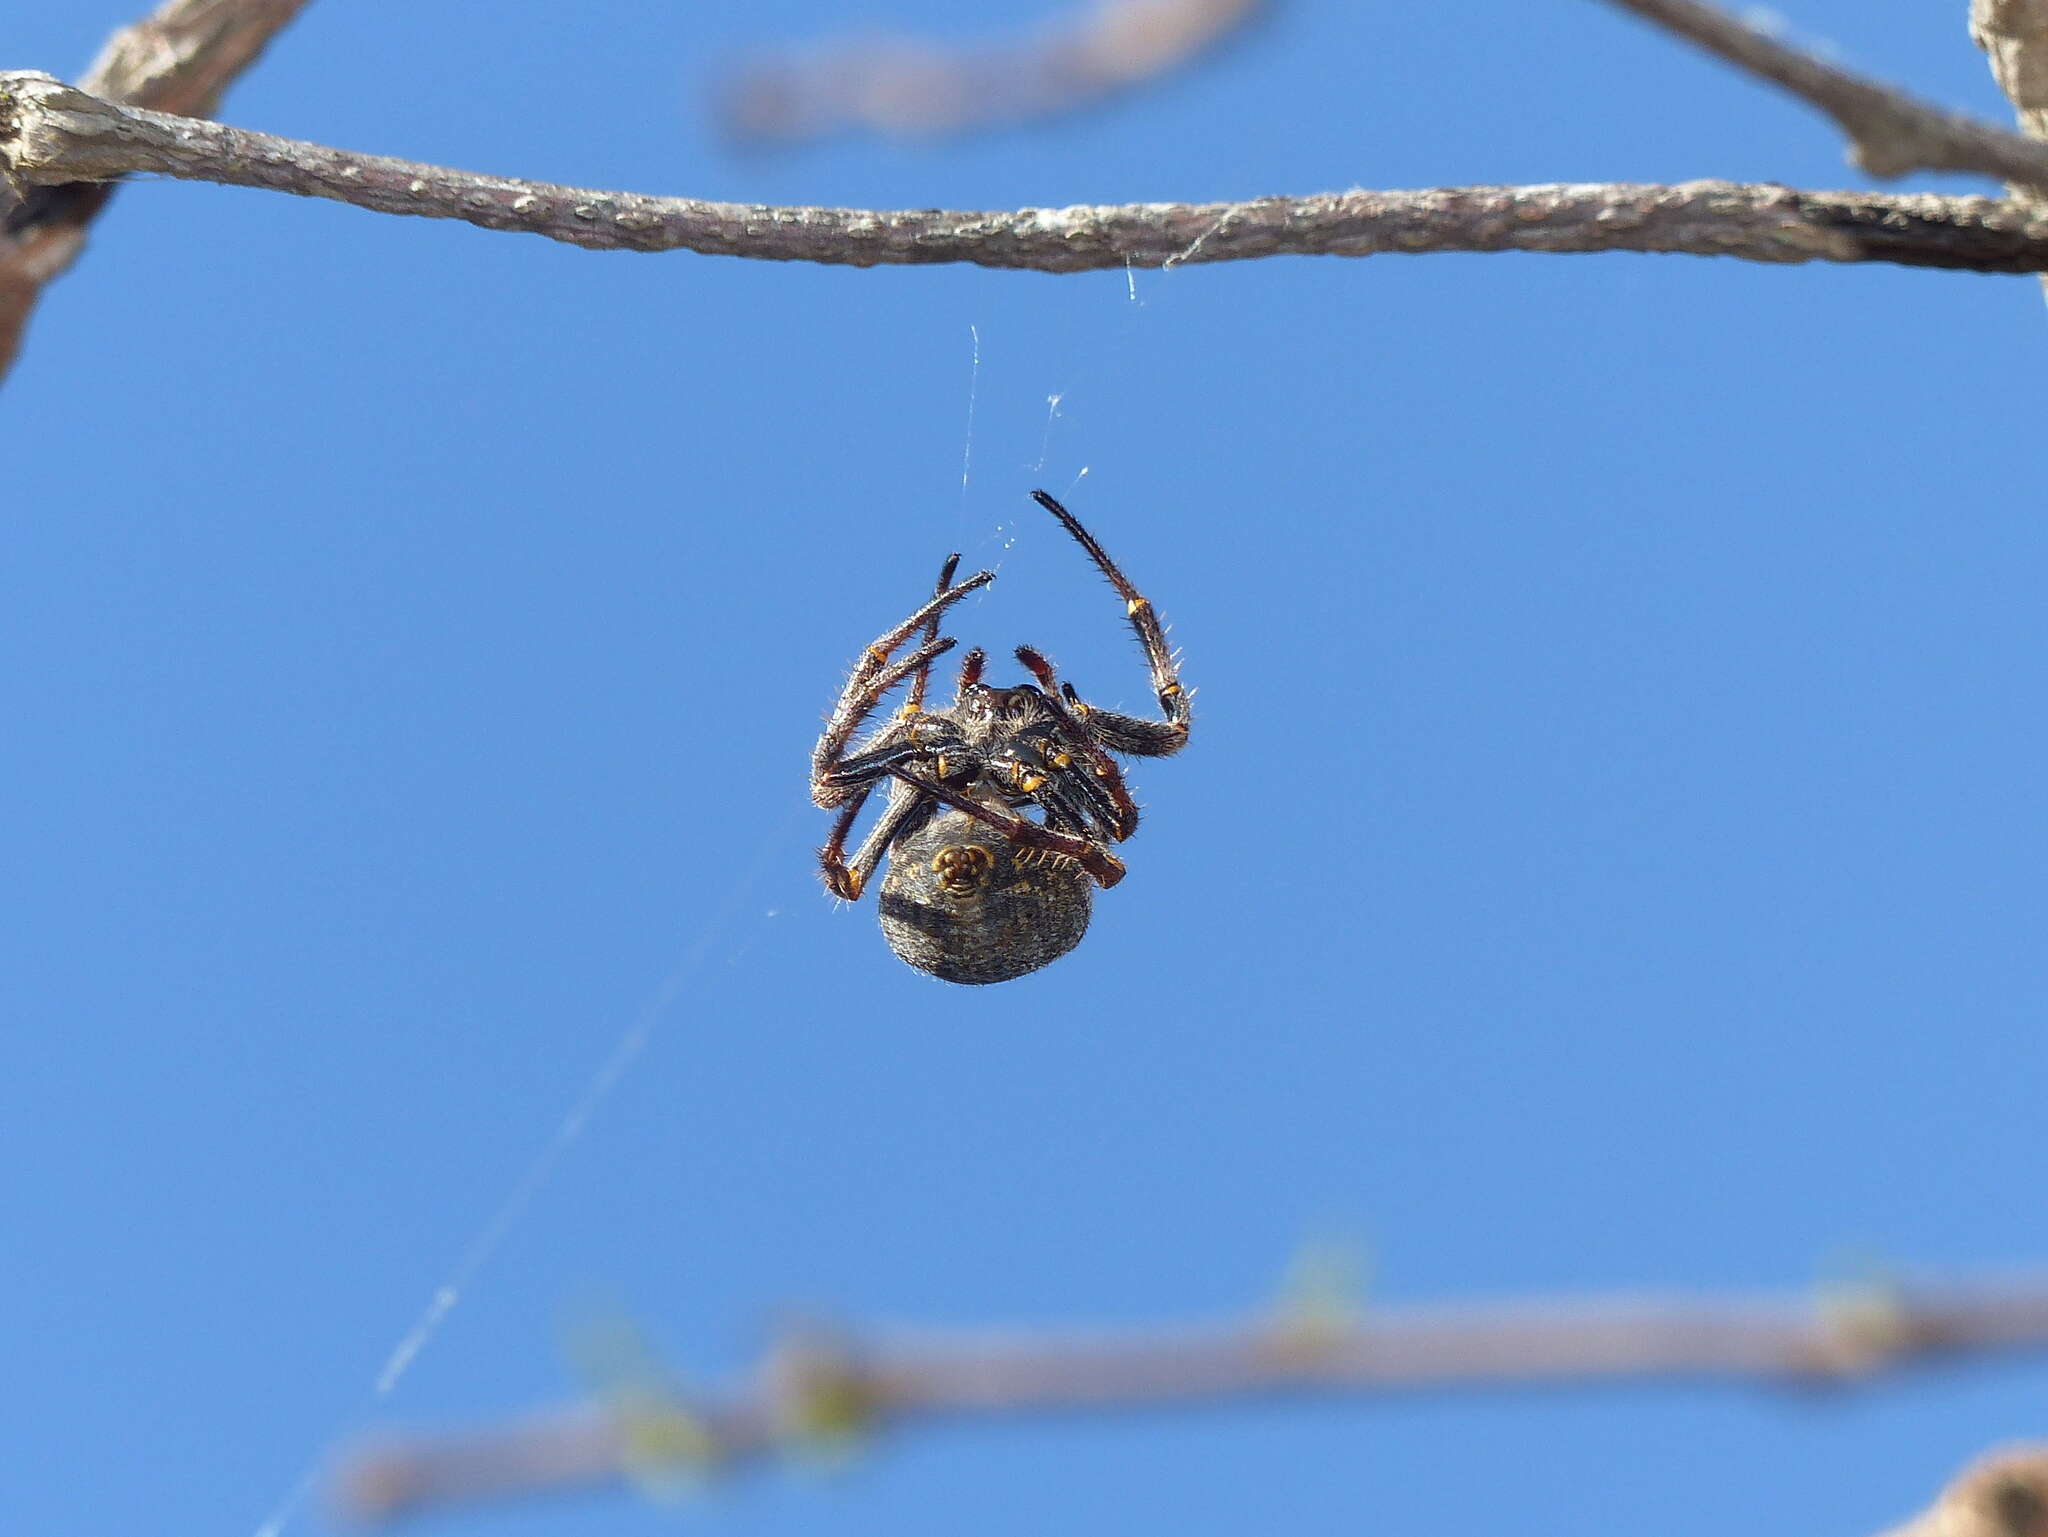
1608, 856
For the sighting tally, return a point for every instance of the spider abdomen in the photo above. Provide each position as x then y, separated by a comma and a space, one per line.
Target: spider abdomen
964, 903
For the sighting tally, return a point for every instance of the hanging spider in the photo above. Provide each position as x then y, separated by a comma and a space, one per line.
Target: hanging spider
976, 890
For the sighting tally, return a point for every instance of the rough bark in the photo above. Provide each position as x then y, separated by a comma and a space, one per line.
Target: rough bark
53, 134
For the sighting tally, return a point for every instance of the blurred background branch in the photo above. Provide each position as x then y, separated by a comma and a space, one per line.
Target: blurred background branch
908, 85
824, 1385
2002, 1495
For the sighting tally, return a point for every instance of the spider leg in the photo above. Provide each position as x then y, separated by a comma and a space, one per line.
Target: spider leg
840, 881
1104, 800
1129, 733
1102, 777
830, 784
856, 775
1073, 799
931, 633
970, 671
872, 677
1068, 774
907, 810
919, 662
907, 742
1091, 855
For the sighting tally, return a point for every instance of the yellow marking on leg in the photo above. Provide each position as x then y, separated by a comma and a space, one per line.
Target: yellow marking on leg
1131, 608
1062, 759
1030, 782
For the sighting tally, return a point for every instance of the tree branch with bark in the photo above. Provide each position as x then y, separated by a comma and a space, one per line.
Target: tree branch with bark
53, 135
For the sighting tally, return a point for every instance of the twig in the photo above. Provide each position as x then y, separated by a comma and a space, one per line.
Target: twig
52, 133
827, 1387
1890, 133
178, 59
915, 85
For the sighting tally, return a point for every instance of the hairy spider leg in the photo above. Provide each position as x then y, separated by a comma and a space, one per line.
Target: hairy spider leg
970, 672
1102, 796
906, 812
871, 678
855, 777
928, 737
923, 679
1101, 776
1097, 860
1072, 800
832, 857
1128, 733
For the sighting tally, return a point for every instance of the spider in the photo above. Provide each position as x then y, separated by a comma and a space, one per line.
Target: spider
977, 891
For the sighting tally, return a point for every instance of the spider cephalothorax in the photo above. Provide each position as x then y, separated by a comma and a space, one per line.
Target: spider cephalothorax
978, 891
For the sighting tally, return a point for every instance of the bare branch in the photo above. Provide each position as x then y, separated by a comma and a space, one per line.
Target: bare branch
827, 1387
178, 59
1890, 133
50, 133
914, 85
2003, 1495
